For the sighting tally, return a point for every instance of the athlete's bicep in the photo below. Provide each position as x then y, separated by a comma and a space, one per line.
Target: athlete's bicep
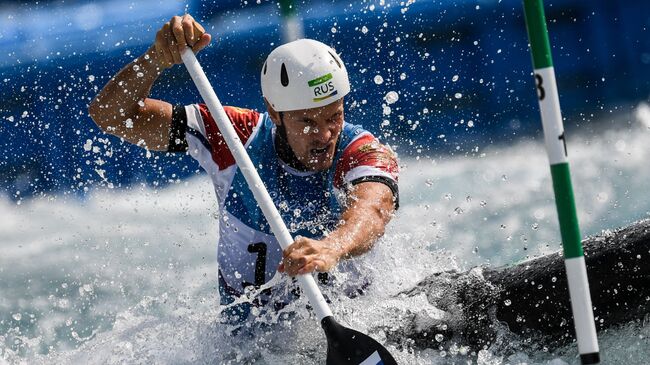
150, 126
371, 197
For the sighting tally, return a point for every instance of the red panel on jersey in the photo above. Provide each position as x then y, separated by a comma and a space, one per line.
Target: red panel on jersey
366, 151
244, 120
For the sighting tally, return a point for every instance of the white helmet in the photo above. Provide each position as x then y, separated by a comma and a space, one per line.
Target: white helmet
303, 74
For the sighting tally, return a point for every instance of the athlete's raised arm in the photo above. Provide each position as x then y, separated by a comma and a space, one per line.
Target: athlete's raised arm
123, 108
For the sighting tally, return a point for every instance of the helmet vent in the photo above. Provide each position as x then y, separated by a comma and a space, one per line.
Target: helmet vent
284, 77
335, 59
264, 71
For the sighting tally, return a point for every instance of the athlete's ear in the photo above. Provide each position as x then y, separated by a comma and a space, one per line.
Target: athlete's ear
275, 116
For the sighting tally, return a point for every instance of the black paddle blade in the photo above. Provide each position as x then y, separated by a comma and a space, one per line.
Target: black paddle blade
349, 347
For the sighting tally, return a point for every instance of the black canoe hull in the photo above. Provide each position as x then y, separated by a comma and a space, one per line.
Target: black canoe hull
531, 299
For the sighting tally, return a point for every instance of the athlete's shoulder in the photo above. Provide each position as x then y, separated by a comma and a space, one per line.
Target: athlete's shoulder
365, 149
202, 125
366, 159
244, 120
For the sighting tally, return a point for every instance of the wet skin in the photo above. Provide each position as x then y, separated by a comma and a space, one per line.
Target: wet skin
312, 133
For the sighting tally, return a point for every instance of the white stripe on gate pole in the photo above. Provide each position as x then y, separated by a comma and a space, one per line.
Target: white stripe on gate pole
551, 116
583, 315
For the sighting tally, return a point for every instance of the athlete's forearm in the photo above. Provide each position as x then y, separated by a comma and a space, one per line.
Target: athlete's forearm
124, 95
370, 208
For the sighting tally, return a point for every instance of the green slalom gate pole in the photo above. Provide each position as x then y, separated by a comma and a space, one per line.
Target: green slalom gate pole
549, 105
291, 23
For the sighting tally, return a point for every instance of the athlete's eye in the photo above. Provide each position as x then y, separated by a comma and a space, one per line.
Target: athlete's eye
334, 118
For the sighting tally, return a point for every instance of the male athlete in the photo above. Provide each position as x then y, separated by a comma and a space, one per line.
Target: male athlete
333, 182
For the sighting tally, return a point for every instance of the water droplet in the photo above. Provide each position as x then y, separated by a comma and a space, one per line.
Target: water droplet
439, 337
378, 80
17, 316
454, 78
255, 311
458, 95
364, 29
391, 97
88, 145
519, 318
507, 302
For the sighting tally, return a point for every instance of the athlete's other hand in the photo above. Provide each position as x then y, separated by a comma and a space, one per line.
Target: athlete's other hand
306, 255
174, 36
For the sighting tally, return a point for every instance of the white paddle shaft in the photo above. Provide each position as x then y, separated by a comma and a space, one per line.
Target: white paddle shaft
307, 282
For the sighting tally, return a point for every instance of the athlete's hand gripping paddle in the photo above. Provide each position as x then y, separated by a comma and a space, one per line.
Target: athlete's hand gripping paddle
344, 345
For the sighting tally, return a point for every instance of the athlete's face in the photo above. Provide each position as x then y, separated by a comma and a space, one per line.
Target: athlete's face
312, 133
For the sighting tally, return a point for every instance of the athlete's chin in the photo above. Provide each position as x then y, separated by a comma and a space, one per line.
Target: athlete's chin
322, 165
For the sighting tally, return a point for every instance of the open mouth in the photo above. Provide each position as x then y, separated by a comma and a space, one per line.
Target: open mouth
320, 152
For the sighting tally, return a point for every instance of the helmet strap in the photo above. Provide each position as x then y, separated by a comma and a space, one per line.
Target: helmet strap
283, 149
